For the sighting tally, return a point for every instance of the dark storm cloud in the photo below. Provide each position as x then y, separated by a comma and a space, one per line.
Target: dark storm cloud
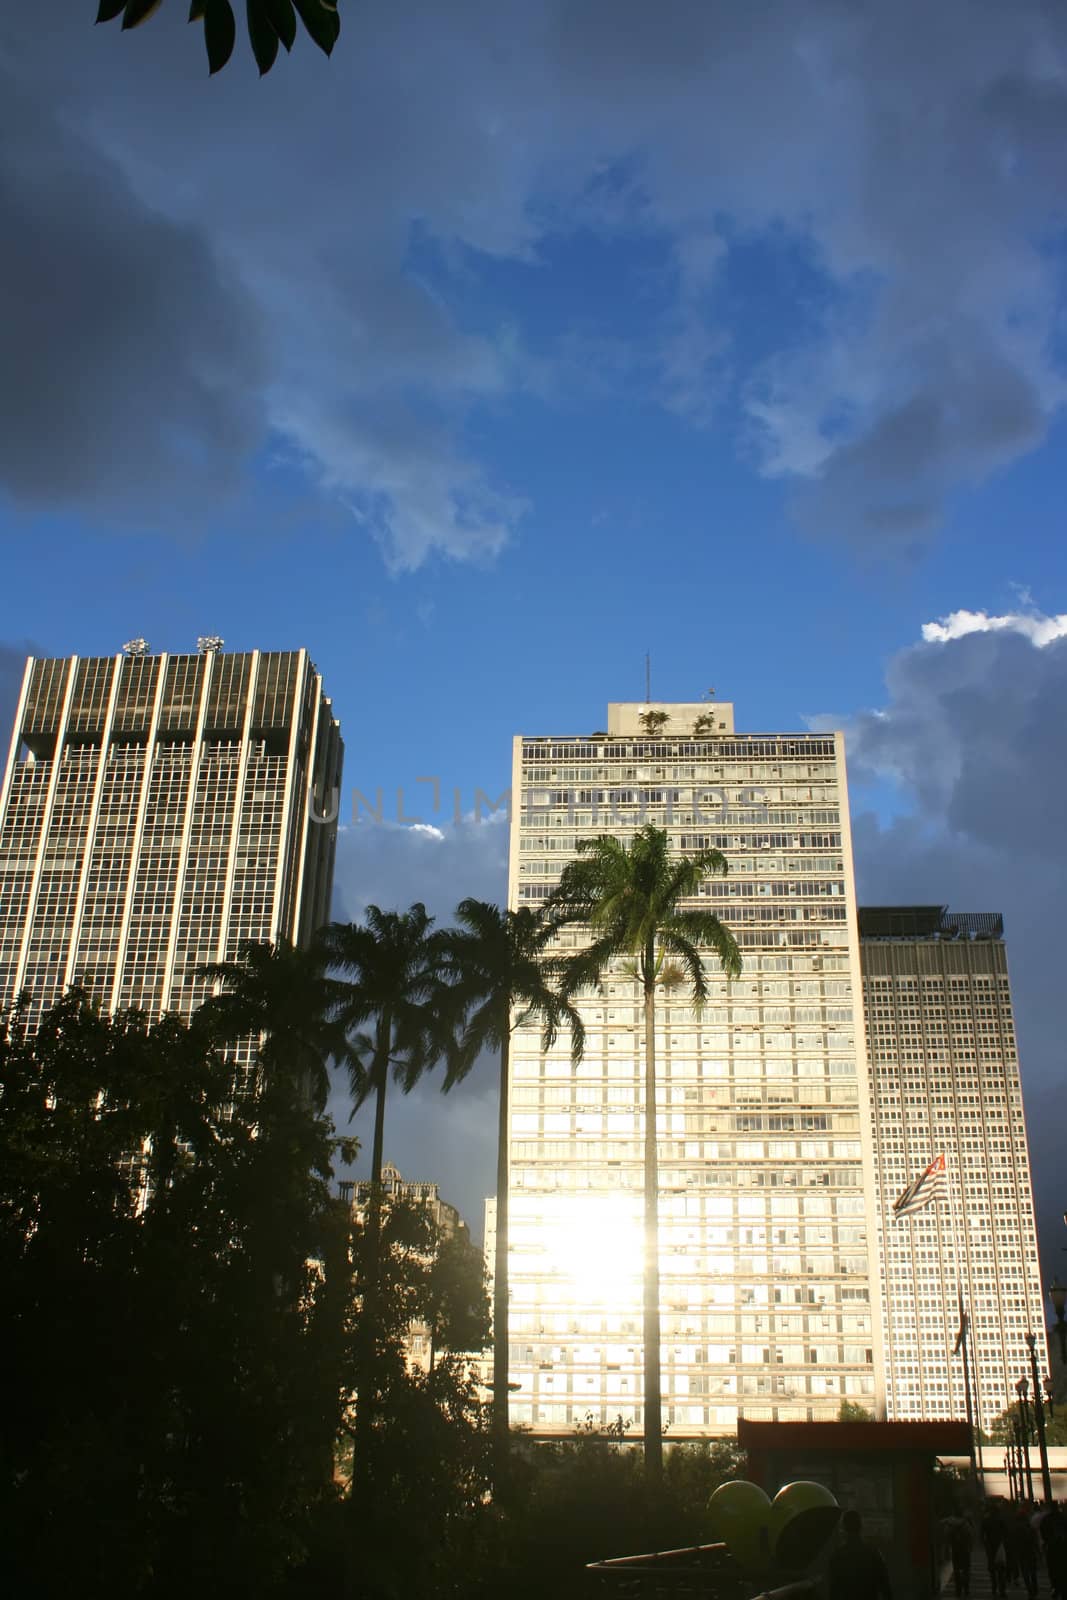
974, 732
911, 153
130, 360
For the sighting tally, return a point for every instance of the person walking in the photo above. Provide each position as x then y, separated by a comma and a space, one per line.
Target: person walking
856, 1570
960, 1541
1054, 1538
991, 1530
1024, 1545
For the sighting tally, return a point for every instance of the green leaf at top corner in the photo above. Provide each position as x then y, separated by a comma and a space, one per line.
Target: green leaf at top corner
261, 34
220, 33
322, 23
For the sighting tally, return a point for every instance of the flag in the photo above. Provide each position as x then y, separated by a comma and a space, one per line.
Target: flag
931, 1186
961, 1331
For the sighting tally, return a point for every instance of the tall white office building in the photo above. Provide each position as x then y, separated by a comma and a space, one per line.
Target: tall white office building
770, 1303
156, 810
945, 1080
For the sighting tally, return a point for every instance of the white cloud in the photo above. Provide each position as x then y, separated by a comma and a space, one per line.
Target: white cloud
391, 865
1039, 629
973, 732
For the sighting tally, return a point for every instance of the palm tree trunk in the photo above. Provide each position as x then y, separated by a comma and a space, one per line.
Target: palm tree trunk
372, 1288
367, 1405
653, 1401
500, 1270
381, 1075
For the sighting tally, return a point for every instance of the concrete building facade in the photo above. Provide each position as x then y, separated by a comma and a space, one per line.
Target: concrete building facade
156, 810
769, 1305
945, 1080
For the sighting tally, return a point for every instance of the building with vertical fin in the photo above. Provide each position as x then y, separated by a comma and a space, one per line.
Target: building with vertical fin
156, 810
945, 1079
770, 1285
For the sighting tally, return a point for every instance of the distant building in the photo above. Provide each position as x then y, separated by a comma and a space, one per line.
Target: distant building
156, 810
447, 1220
447, 1223
945, 1079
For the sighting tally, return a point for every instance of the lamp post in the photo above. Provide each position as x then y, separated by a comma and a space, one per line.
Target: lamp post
1057, 1293
1020, 1459
1022, 1389
1039, 1417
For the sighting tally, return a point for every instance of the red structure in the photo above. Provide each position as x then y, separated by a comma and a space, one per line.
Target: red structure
882, 1469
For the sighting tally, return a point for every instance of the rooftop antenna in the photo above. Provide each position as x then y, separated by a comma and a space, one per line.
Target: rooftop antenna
709, 694
648, 677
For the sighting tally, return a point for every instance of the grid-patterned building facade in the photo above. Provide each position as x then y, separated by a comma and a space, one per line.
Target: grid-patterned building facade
769, 1297
156, 810
945, 1079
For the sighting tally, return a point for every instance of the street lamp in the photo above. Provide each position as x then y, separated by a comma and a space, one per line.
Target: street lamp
1022, 1389
1039, 1416
1057, 1293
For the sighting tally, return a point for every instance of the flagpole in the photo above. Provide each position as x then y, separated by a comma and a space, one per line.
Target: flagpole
944, 1295
918, 1320
973, 1362
974, 1416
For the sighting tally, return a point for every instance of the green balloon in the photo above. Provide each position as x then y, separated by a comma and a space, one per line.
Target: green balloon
740, 1515
803, 1516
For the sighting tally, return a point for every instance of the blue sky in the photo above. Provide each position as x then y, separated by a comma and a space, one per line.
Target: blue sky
519, 339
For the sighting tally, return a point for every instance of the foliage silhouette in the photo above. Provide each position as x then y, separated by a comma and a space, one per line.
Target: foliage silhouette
503, 975
270, 23
170, 1393
282, 998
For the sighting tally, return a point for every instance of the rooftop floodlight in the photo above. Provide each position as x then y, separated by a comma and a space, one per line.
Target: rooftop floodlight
135, 647
209, 644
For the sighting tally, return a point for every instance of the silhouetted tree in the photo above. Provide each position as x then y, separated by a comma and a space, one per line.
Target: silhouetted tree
503, 976
281, 998
172, 1376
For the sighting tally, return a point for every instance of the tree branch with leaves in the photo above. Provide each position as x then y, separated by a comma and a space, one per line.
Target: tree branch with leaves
270, 23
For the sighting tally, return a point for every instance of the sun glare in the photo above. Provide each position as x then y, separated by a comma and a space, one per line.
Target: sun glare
596, 1244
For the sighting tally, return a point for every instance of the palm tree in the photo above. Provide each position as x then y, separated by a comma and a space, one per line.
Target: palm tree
503, 978
632, 899
393, 1010
282, 996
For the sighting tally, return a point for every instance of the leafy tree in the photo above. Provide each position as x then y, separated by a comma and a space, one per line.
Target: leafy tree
1002, 1428
281, 997
653, 721
704, 726
852, 1411
591, 1497
633, 900
456, 1305
503, 976
418, 1457
173, 1373
270, 23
